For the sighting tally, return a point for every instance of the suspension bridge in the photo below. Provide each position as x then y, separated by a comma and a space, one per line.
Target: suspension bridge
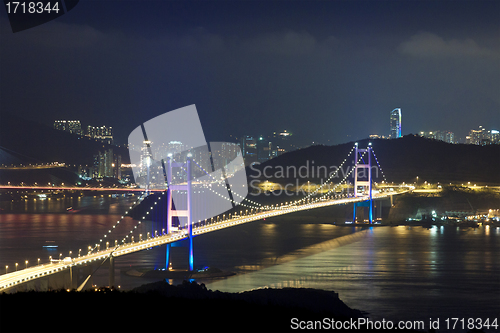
64, 273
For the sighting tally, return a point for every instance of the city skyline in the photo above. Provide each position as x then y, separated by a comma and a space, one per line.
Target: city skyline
105, 134
329, 77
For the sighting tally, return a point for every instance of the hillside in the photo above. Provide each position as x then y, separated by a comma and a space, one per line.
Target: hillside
401, 160
25, 141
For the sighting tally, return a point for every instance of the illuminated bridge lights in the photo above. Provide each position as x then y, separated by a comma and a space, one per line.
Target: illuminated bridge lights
6, 280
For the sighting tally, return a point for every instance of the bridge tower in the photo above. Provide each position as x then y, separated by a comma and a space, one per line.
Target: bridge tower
179, 213
366, 184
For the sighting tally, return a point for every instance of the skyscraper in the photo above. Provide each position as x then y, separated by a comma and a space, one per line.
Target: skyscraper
249, 149
476, 137
103, 165
495, 137
72, 126
445, 136
264, 149
103, 133
395, 122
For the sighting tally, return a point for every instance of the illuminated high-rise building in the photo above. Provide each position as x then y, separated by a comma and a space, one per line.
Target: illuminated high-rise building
103, 165
476, 137
72, 126
146, 157
264, 149
445, 136
283, 140
249, 149
395, 122
103, 133
495, 137
117, 167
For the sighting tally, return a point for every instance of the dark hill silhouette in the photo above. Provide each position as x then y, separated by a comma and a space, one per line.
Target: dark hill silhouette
401, 160
25, 141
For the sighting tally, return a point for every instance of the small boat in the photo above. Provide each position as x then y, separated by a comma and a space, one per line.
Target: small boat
70, 208
50, 245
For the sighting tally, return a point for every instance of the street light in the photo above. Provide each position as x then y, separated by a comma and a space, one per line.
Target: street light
16, 266
6, 268
26, 262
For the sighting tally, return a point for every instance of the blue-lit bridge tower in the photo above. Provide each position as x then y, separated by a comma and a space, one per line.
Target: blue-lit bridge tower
361, 187
176, 212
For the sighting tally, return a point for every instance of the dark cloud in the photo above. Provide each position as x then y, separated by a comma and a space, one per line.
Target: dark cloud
426, 44
329, 74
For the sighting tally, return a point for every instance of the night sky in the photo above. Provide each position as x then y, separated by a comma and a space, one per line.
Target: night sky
328, 71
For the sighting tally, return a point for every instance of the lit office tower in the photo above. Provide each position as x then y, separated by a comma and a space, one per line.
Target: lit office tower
396, 123
264, 149
495, 137
72, 126
103, 133
103, 164
249, 149
146, 157
445, 136
477, 137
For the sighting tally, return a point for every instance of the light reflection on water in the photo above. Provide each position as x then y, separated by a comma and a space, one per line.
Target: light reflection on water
400, 272
391, 272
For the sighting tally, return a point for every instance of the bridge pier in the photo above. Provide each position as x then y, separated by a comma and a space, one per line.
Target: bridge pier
86, 274
111, 271
366, 184
167, 256
379, 206
179, 213
189, 215
367, 203
378, 209
71, 279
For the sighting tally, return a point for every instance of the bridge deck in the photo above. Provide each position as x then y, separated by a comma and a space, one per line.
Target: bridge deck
14, 279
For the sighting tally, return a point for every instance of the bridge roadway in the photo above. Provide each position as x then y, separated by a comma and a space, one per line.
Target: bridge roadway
14, 279
69, 188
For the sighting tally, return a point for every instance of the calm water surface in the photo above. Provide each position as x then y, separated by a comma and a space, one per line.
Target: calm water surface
397, 273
